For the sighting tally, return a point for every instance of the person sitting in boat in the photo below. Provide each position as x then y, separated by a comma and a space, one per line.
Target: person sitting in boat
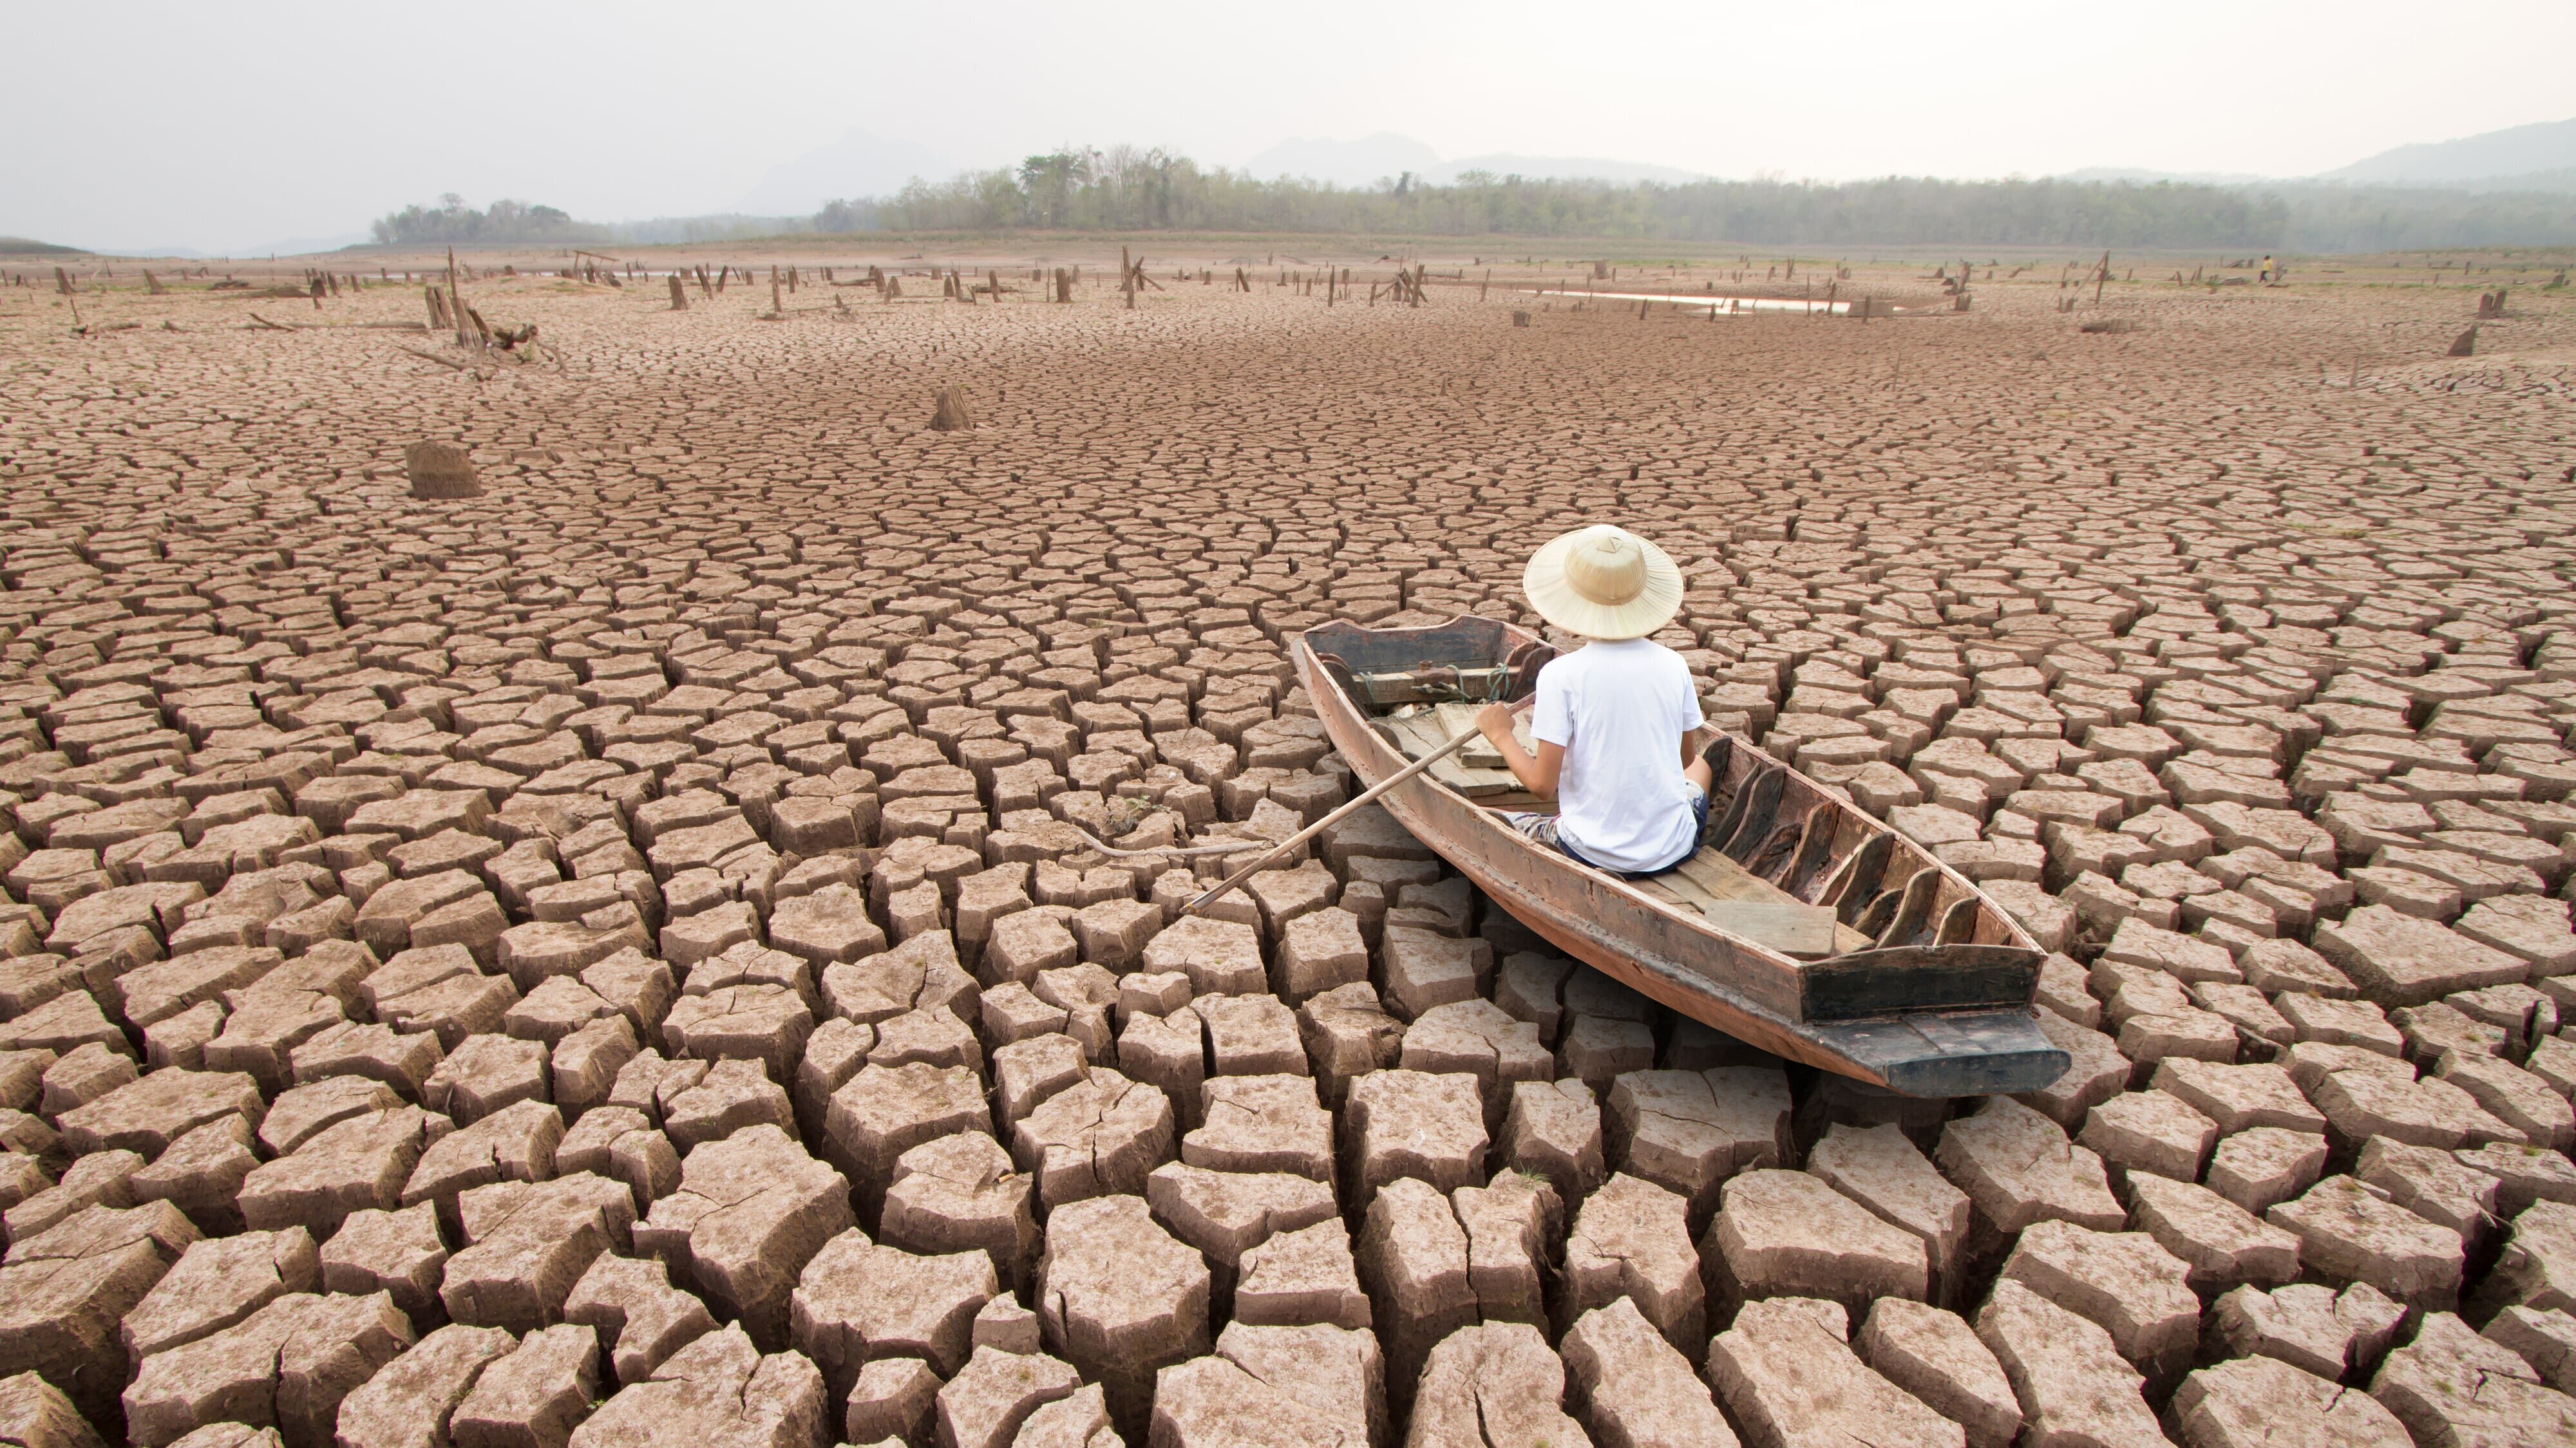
1617, 721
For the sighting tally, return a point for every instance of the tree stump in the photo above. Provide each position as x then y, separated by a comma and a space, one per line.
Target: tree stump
679, 294
949, 412
1520, 319
2467, 343
440, 470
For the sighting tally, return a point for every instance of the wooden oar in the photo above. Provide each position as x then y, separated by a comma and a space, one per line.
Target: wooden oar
1310, 831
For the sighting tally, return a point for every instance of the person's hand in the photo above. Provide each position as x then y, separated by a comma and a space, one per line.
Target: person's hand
1495, 720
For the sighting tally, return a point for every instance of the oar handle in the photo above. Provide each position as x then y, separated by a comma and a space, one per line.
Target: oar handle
1318, 827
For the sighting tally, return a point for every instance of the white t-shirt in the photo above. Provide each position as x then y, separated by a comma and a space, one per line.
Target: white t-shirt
1619, 710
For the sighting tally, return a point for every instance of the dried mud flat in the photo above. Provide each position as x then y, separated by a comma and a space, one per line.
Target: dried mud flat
607, 962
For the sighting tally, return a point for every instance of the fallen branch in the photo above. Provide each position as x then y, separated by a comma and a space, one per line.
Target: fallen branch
442, 361
272, 326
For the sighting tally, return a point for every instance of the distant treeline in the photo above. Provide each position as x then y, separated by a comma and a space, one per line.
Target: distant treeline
453, 223
1125, 189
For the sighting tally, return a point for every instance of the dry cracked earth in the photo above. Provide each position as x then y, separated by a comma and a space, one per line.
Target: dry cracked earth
612, 961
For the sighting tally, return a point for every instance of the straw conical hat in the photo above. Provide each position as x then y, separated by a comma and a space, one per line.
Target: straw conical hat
1603, 582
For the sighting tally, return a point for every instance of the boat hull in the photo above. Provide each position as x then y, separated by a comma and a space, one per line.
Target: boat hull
1702, 973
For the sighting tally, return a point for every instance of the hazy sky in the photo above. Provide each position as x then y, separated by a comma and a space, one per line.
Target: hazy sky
238, 126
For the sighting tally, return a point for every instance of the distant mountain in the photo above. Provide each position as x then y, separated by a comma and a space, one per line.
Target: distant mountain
21, 246
858, 164
2515, 152
1386, 155
1345, 163
1562, 168
2149, 178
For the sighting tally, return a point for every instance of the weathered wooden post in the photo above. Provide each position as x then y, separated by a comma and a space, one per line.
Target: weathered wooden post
679, 294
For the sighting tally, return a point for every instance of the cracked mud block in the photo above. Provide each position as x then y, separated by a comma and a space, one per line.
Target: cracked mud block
1226, 1214
1632, 1238
1479, 1038
622, 1145
2398, 960
1220, 957
527, 1244
2072, 1383
986, 1405
1169, 1052
516, 1143
2448, 1385
718, 1392
1514, 1227
1881, 1168
2125, 1282
1079, 1421
1211, 1400
2434, 1185
1301, 1277
885, 1111
2267, 1401
409, 1402
1691, 1130
485, 1074
2222, 1243
1101, 1136
2538, 1267
1423, 969
1251, 1035
2311, 1327
1497, 1382
288, 1366
1552, 1129
1790, 1234
100, 1179
1935, 1356
894, 1402
2150, 1132
1120, 1298
584, 1063
1413, 1259
400, 1059
533, 1396
750, 1212
2265, 1165
1262, 1124
63, 1293
641, 1319
958, 1193
735, 1093
2018, 1168
355, 1163
1403, 1123
401, 1254
2348, 1233
215, 1284
859, 1300
920, 974
2545, 1340
1789, 1377
1318, 951
1632, 1389
1337, 1372
1346, 1037
34, 1414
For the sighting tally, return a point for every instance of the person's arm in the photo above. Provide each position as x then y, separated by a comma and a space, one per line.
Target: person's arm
1537, 773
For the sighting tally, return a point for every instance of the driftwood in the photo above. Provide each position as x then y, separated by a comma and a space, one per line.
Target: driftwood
271, 326
949, 412
440, 470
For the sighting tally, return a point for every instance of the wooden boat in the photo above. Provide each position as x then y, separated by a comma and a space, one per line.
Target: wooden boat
1802, 925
